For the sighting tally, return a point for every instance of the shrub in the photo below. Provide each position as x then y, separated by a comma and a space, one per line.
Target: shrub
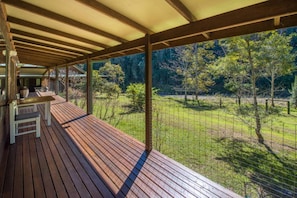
136, 93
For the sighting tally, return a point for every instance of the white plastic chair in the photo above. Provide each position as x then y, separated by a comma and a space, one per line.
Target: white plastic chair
16, 119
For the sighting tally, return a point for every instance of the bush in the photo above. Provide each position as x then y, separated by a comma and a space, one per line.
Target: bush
136, 93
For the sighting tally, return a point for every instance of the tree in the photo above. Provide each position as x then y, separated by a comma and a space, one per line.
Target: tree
177, 66
234, 71
275, 57
201, 57
191, 65
108, 79
241, 59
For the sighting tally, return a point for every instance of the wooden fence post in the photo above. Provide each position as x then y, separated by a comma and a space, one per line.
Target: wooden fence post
288, 105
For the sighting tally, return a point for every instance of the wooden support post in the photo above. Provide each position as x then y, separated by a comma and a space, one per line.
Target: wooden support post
288, 105
48, 79
89, 87
11, 77
148, 93
67, 83
57, 81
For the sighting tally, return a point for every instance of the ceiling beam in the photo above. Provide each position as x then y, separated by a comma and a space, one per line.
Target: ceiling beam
182, 9
52, 40
53, 31
4, 28
47, 45
37, 55
110, 12
33, 52
288, 21
252, 14
46, 13
129, 46
43, 50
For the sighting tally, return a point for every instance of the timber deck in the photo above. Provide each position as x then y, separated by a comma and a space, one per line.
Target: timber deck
82, 156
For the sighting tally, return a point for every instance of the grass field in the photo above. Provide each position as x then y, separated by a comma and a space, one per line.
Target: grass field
218, 142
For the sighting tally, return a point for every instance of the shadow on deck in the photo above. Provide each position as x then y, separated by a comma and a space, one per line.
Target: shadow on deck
82, 156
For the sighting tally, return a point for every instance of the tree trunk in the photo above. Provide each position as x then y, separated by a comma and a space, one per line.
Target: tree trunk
254, 92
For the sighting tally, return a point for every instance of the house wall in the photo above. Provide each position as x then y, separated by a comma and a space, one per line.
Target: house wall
4, 121
31, 83
3, 129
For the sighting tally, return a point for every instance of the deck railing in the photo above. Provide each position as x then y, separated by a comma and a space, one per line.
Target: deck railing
216, 138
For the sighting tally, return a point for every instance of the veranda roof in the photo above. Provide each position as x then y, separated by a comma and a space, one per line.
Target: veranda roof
55, 33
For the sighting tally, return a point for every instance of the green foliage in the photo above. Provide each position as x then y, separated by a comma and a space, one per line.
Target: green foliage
213, 141
191, 66
275, 57
111, 89
112, 73
242, 60
136, 93
108, 79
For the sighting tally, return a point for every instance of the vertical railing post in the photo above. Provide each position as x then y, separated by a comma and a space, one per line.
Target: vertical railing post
57, 81
89, 87
148, 93
49, 79
67, 83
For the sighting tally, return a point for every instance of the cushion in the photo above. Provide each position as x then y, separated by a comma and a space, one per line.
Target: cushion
27, 116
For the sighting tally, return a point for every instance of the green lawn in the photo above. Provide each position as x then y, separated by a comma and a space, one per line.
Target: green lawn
217, 142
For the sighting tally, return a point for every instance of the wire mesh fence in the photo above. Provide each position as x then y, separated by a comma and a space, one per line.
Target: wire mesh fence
216, 138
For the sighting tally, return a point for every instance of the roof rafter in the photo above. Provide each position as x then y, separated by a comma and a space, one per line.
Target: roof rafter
182, 9
240, 30
268, 24
108, 11
43, 50
46, 13
23, 33
53, 31
47, 45
40, 55
4, 28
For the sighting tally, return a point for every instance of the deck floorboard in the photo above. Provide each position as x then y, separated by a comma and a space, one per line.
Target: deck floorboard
82, 156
